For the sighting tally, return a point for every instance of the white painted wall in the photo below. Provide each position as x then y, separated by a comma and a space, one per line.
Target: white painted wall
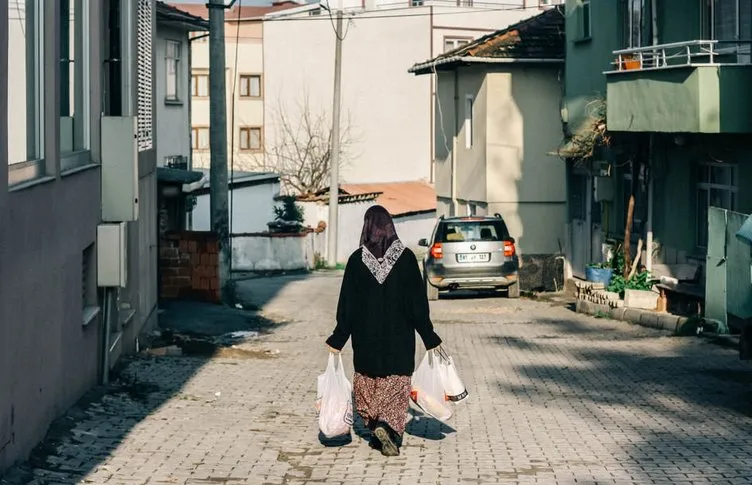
389, 111
173, 120
252, 208
412, 229
275, 253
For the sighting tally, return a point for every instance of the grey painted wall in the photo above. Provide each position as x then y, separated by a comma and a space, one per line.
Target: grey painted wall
48, 358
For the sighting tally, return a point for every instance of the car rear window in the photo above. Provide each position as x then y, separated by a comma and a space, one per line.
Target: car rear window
475, 231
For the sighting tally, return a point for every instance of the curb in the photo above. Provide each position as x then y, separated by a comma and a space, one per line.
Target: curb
644, 318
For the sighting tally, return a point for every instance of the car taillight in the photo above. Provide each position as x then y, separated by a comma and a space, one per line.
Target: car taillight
436, 251
509, 248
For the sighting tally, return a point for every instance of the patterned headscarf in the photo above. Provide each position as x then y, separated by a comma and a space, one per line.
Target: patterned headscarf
379, 232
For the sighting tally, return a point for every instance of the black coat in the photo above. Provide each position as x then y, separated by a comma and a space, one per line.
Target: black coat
382, 318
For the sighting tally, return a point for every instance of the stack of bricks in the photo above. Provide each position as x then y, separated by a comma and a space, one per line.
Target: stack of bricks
188, 266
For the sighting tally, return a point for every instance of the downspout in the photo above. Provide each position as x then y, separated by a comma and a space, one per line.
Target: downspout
432, 100
651, 155
454, 141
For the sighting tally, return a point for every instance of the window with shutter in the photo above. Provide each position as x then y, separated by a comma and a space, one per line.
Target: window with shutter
145, 104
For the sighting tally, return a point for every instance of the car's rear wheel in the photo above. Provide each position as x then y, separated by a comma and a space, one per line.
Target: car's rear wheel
431, 291
513, 290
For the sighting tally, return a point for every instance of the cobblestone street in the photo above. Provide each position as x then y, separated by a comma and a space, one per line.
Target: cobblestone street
556, 398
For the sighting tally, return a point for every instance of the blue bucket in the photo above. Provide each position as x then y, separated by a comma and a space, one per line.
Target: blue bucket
599, 275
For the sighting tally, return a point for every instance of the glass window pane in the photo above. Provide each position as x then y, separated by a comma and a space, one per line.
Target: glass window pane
243, 139
255, 138
203, 138
25, 98
71, 44
720, 198
243, 86
255, 86
721, 175
724, 19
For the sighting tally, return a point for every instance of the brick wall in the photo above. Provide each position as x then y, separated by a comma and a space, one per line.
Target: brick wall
188, 266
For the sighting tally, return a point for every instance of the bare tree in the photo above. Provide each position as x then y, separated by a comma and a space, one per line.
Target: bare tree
301, 151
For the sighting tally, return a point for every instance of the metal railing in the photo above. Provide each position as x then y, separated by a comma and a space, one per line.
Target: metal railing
664, 56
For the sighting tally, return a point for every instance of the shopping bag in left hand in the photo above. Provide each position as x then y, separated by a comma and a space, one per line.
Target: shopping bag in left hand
334, 400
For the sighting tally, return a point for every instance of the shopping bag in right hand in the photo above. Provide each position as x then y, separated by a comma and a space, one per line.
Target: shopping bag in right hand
334, 400
454, 388
428, 389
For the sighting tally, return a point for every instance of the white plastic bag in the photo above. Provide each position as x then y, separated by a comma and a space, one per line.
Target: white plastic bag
334, 400
454, 389
428, 389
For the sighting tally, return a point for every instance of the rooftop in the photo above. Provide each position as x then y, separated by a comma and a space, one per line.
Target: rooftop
170, 14
241, 12
538, 39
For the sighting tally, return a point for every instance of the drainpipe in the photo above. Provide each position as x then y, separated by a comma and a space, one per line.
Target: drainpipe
454, 141
651, 157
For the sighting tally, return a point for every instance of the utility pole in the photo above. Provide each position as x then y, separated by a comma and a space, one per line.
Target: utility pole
218, 206
334, 183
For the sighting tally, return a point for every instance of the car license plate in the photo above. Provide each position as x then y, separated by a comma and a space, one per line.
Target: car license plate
473, 258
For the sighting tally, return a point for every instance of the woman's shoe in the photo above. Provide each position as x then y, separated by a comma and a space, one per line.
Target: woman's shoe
374, 443
388, 446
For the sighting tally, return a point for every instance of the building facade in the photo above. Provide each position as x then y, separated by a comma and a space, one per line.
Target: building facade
668, 81
387, 114
55, 132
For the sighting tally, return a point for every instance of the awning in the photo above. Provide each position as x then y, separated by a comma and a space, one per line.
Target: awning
187, 180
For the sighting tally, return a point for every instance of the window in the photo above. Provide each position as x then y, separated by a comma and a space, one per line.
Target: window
716, 187
474, 231
200, 85
730, 23
172, 69
25, 90
250, 139
451, 43
469, 121
585, 22
464, 3
416, 3
200, 138
250, 85
74, 72
637, 23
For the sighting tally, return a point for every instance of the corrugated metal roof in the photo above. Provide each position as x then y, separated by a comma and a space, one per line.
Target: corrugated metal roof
537, 39
246, 12
399, 198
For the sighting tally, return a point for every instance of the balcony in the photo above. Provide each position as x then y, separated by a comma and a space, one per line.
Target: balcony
698, 86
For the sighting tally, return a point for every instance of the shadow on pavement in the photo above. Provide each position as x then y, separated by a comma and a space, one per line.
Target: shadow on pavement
424, 426
85, 437
693, 402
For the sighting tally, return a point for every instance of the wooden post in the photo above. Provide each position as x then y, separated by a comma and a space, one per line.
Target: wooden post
630, 218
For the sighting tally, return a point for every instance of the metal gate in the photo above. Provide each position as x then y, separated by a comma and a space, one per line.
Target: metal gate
728, 273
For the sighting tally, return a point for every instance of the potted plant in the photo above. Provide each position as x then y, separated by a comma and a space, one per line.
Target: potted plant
630, 62
288, 218
599, 273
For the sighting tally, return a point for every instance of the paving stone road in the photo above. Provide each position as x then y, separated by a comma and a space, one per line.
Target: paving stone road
556, 398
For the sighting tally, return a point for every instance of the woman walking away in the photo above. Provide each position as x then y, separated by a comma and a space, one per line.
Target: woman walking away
381, 304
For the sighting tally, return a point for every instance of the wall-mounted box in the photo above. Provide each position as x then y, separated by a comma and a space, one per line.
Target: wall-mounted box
119, 169
112, 252
603, 189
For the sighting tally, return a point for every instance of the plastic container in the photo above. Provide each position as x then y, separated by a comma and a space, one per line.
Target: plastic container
599, 275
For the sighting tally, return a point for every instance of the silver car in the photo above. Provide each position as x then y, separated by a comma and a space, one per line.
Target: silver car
471, 253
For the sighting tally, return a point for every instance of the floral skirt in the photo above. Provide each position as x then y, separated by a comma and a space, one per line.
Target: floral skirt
383, 400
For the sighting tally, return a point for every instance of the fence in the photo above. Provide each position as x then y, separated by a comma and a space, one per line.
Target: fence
728, 277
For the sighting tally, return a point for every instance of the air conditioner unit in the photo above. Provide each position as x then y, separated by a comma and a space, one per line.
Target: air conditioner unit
112, 260
119, 169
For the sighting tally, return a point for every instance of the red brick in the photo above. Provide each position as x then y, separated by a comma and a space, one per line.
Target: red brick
212, 247
195, 259
213, 259
204, 259
168, 253
183, 271
192, 247
196, 282
183, 246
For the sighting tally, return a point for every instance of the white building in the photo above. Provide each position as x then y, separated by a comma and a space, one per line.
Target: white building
389, 113
173, 95
244, 61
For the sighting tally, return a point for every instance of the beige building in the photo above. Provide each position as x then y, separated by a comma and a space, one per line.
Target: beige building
387, 113
497, 119
244, 63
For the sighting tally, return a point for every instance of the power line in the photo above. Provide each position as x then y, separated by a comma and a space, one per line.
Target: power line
370, 17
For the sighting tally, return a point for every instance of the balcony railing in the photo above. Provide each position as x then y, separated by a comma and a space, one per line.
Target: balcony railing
666, 56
